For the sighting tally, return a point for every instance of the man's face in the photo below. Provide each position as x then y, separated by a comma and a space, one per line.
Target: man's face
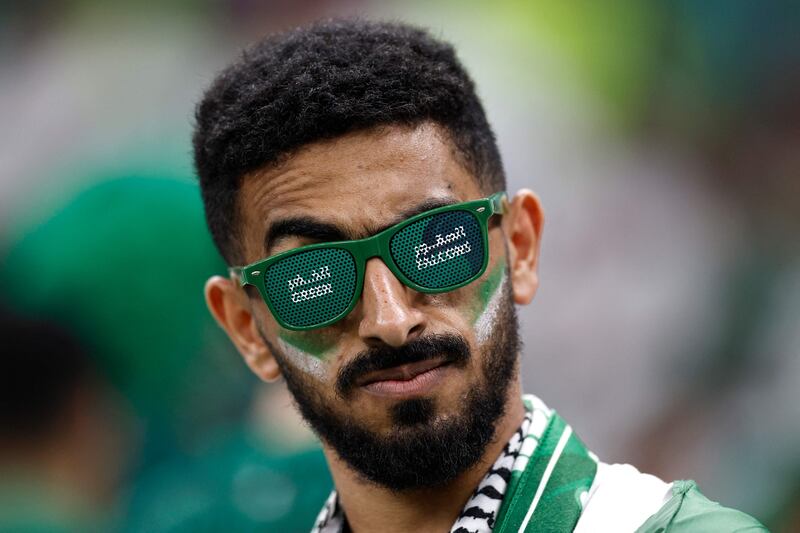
408, 387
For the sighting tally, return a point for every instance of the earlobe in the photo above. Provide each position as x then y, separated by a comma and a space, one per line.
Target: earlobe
523, 228
230, 307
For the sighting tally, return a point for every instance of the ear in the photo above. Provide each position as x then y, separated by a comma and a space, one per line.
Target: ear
523, 229
231, 308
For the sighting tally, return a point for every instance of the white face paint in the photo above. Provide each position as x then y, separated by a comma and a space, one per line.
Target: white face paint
487, 320
303, 360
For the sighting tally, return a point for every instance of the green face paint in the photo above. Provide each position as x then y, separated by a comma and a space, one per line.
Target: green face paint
307, 350
311, 343
486, 289
488, 297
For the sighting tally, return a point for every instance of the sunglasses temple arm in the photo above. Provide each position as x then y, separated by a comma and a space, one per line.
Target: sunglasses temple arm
238, 274
499, 202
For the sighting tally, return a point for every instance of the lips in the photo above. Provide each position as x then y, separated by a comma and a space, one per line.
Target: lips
404, 372
406, 381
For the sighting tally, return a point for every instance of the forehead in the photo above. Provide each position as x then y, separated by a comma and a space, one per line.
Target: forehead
357, 182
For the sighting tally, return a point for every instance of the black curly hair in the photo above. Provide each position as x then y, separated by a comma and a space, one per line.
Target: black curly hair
322, 81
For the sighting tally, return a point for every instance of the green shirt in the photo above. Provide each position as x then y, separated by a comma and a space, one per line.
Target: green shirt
689, 511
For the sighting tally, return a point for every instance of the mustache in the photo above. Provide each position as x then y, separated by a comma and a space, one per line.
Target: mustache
453, 348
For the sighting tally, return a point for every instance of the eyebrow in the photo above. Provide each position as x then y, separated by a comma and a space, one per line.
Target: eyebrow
311, 228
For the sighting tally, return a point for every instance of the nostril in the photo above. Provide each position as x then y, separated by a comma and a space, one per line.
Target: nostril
416, 331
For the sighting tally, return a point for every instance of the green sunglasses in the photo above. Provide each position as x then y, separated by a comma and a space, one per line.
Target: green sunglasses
436, 251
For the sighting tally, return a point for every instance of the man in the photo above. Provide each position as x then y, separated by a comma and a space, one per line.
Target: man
351, 179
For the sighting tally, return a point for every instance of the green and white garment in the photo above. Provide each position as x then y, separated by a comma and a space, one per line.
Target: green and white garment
545, 480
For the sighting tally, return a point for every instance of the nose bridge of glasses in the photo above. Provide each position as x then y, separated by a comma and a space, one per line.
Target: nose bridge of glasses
370, 247
381, 274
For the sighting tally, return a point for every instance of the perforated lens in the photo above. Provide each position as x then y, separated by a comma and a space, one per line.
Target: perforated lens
312, 287
441, 250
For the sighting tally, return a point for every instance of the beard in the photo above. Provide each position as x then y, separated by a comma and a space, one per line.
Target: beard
421, 451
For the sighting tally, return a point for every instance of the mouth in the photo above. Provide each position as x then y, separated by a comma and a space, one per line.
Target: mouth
407, 380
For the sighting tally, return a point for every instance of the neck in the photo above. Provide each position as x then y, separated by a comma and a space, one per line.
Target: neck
369, 507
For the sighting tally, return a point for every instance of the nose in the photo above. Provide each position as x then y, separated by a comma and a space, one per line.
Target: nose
387, 313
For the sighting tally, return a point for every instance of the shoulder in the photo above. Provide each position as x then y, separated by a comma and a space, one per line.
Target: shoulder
624, 499
689, 511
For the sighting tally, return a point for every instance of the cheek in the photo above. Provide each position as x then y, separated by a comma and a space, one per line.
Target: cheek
476, 305
313, 343
310, 352
319, 344
486, 301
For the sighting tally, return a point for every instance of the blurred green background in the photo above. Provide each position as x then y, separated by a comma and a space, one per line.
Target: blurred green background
663, 138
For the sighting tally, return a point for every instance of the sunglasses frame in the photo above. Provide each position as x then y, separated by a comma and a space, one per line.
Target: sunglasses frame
375, 246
